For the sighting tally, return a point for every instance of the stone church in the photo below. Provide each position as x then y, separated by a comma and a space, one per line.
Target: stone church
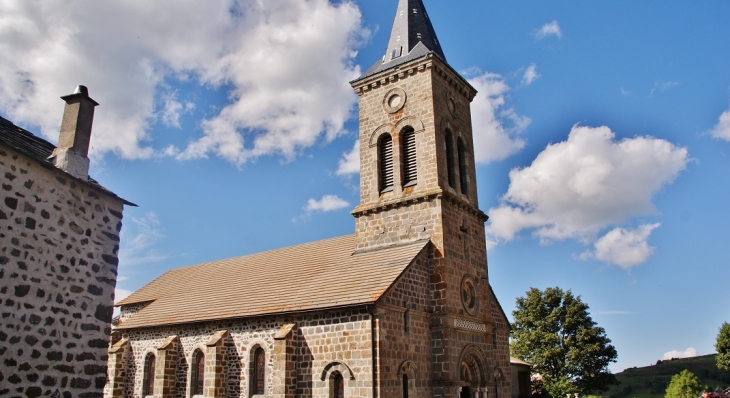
401, 308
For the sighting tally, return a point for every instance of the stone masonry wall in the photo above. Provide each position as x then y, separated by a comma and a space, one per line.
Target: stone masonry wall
321, 343
58, 266
500, 343
405, 334
402, 223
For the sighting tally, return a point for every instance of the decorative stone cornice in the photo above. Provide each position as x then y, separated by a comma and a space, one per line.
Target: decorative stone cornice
466, 324
444, 321
411, 68
455, 80
427, 196
393, 75
396, 203
463, 204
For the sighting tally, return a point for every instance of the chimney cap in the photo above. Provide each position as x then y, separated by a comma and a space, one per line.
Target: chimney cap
80, 92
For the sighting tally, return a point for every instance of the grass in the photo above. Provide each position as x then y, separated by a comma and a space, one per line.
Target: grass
651, 381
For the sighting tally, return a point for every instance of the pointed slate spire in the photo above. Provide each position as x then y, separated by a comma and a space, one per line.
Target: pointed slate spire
412, 37
410, 26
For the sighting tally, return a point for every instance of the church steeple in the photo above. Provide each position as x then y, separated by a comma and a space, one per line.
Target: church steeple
411, 26
417, 170
411, 37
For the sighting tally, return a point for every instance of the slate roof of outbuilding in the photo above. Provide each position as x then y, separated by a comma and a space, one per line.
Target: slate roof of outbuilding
38, 149
24, 141
313, 276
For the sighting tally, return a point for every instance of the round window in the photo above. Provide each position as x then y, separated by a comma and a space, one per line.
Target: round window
451, 105
394, 100
469, 295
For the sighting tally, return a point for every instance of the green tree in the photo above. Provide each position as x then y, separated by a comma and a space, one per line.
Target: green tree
684, 385
722, 345
555, 333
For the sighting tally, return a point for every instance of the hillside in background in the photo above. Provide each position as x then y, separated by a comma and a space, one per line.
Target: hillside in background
651, 381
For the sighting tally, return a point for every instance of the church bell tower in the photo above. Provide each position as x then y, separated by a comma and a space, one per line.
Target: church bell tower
418, 182
417, 174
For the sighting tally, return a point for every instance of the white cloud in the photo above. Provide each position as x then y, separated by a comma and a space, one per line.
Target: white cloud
139, 240
624, 247
576, 188
350, 162
549, 29
327, 203
688, 353
121, 294
496, 127
722, 128
172, 109
663, 86
530, 75
287, 64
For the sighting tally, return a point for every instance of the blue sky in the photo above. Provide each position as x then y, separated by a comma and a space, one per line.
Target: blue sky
602, 137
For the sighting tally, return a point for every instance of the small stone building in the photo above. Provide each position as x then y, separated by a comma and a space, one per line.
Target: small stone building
521, 372
401, 308
59, 237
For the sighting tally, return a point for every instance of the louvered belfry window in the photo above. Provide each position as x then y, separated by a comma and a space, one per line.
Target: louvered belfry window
385, 149
410, 168
462, 167
450, 159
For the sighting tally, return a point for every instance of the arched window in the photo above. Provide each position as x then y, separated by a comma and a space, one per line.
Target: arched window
258, 369
197, 376
450, 159
462, 167
337, 385
148, 380
408, 148
405, 385
385, 152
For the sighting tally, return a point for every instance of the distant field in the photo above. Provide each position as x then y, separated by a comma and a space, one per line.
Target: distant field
651, 381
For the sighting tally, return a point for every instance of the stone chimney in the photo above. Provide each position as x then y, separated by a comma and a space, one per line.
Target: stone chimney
73, 142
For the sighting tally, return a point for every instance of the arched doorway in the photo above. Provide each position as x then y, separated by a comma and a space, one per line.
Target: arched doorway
472, 372
466, 377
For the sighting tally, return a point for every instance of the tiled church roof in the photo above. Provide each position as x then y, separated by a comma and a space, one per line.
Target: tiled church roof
312, 276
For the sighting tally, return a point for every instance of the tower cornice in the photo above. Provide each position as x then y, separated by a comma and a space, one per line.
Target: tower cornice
428, 196
406, 70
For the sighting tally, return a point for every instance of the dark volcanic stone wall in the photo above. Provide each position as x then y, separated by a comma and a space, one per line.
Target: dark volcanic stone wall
58, 268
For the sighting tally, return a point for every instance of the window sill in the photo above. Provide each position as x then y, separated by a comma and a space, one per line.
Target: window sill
410, 184
386, 190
